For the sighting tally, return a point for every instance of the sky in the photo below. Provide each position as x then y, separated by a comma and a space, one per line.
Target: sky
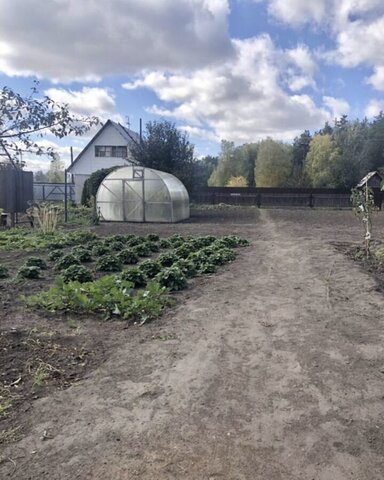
236, 70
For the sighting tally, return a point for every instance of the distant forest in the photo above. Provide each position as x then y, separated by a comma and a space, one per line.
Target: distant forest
336, 156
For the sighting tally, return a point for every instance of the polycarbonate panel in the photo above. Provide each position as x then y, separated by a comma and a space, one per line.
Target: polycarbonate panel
137, 194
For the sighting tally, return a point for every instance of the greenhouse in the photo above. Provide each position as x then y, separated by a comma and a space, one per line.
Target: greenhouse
137, 194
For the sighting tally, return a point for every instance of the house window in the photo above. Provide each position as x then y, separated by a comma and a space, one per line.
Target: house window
110, 151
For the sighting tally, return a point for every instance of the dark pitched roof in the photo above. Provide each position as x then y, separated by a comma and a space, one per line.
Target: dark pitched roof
129, 135
367, 177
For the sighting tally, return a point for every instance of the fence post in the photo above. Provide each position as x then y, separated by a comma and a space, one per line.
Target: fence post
259, 200
311, 203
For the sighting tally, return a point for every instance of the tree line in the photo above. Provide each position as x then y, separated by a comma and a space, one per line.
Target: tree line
336, 156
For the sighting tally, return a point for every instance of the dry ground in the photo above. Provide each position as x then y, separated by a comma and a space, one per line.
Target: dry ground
272, 369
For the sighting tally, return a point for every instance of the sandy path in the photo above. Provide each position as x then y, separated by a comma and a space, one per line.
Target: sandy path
274, 369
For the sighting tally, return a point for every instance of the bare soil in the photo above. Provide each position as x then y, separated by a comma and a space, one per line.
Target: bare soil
271, 369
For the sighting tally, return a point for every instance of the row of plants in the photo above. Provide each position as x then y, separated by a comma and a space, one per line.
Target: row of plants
139, 292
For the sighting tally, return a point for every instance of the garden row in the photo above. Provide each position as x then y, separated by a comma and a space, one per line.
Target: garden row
138, 290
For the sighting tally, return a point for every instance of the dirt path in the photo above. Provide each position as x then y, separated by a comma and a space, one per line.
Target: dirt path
271, 370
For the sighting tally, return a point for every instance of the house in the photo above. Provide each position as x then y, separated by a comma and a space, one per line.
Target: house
372, 179
108, 148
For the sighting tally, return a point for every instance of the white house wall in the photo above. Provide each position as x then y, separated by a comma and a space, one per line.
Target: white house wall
88, 163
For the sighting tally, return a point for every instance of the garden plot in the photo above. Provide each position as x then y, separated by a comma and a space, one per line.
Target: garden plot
270, 368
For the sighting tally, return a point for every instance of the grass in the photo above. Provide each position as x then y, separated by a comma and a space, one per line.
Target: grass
10, 435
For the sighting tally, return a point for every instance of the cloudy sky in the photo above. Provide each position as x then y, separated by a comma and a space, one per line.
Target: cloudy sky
238, 70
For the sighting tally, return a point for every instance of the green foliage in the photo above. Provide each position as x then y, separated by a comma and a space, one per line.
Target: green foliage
55, 255
66, 261
92, 184
4, 273
172, 278
153, 246
142, 250
234, 241
100, 249
109, 263
150, 268
176, 240
110, 296
166, 259
166, 148
164, 243
152, 237
76, 273
274, 164
82, 254
128, 256
187, 267
36, 262
135, 276
31, 272
238, 181
363, 205
116, 245
321, 161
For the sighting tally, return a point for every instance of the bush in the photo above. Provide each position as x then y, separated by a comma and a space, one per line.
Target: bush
167, 259
132, 242
36, 262
100, 249
187, 267
153, 246
176, 240
76, 273
165, 243
135, 276
142, 250
29, 272
172, 278
109, 263
82, 254
183, 251
116, 245
66, 261
3, 271
234, 241
128, 256
55, 255
152, 237
150, 268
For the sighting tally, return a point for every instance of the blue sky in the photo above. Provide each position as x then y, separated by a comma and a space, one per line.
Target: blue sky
238, 70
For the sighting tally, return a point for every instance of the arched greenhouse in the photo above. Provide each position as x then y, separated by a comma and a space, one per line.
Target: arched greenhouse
137, 194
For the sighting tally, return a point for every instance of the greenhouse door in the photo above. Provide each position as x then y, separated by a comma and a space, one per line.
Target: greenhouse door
133, 197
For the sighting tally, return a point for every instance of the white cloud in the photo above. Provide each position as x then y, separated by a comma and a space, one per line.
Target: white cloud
35, 163
298, 12
242, 99
377, 79
64, 40
374, 107
337, 106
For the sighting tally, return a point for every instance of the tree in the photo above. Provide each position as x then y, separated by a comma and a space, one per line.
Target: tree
92, 184
237, 182
40, 176
300, 149
164, 147
56, 171
235, 162
322, 162
25, 119
274, 164
203, 169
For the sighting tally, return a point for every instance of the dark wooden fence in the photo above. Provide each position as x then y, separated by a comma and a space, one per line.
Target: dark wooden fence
279, 197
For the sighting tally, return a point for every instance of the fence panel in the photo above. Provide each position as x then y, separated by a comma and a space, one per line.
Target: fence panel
53, 192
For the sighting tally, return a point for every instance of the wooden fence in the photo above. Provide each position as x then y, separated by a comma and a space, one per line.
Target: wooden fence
279, 197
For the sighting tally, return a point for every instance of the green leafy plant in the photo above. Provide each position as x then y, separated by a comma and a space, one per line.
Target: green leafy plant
135, 240
176, 240
152, 237
4, 273
172, 278
150, 268
363, 205
135, 276
116, 245
153, 246
109, 263
100, 249
166, 259
82, 254
187, 267
164, 243
55, 255
66, 261
29, 272
36, 262
142, 250
77, 273
128, 256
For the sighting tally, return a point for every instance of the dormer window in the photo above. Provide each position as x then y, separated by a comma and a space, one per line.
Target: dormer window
110, 151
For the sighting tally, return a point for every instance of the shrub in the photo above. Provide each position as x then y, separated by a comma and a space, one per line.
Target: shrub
172, 278
153, 246
66, 261
176, 240
32, 272
116, 245
82, 254
135, 276
36, 262
128, 256
142, 250
167, 259
3, 271
76, 273
81, 237
109, 263
234, 241
187, 267
206, 268
55, 255
183, 251
165, 243
100, 249
132, 242
152, 237
150, 268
